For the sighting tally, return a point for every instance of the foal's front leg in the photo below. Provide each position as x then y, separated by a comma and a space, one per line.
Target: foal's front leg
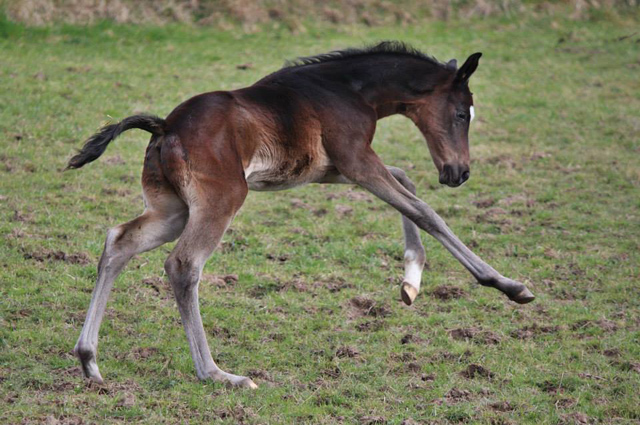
414, 255
370, 173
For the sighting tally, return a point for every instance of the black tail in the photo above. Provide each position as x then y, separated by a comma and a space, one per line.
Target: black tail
97, 144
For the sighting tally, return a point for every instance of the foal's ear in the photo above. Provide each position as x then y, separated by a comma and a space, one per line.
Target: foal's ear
452, 64
469, 67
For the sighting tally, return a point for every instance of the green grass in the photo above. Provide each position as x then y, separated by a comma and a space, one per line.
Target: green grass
553, 201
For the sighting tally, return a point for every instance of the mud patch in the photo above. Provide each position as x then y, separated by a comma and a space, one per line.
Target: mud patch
160, 286
484, 203
120, 192
346, 351
143, 352
495, 215
332, 372
502, 406
604, 324
476, 335
475, 370
295, 285
565, 403
220, 281
574, 418
448, 292
343, 210
127, 400
299, 203
81, 258
550, 387
531, 331
261, 376
262, 289
456, 395
370, 326
22, 217
411, 339
282, 258
237, 414
362, 306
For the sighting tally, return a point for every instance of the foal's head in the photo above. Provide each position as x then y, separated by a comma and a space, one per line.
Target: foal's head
443, 115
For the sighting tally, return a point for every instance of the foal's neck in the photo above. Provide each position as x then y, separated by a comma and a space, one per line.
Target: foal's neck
386, 81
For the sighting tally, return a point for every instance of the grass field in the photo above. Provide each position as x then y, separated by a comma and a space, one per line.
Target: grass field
553, 201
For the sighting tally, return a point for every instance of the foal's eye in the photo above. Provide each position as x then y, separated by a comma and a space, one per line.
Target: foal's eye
461, 116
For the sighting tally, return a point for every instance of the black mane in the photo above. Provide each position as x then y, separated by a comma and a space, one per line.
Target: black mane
388, 47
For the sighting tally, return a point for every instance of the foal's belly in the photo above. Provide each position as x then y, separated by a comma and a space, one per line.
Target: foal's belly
278, 172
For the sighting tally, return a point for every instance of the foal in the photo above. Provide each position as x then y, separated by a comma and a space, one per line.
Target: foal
310, 122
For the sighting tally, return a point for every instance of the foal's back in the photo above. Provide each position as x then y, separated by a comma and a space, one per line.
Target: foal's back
273, 132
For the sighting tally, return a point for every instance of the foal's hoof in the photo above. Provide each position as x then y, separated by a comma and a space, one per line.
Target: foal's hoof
89, 366
523, 297
247, 383
408, 293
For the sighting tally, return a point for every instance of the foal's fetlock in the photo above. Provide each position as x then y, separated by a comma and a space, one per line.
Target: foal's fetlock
87, 357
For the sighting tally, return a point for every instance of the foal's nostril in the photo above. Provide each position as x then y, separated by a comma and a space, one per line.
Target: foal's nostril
464, 177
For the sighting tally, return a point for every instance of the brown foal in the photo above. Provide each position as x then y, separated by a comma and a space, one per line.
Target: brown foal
310, 122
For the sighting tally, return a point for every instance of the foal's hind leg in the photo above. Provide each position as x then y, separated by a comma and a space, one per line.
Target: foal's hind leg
148, 231
209, 216
414, 255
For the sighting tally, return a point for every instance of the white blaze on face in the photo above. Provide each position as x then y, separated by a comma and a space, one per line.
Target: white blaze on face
472, 112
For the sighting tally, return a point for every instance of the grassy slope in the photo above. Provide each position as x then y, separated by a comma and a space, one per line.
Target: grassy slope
555, 148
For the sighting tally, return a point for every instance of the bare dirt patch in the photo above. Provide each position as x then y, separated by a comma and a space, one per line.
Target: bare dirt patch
502, 406
456, 395
297, 285
143, 352
484, 203
531, 331
448, 292
22, 217
411, 339
476, 335
343, 210
370, 326
604, 324
220, 281
362, 306
347, 351
475, 370
159, 285
575, 418
81, 258
120, 192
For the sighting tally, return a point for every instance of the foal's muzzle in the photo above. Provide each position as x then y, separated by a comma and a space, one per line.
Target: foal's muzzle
453, 175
